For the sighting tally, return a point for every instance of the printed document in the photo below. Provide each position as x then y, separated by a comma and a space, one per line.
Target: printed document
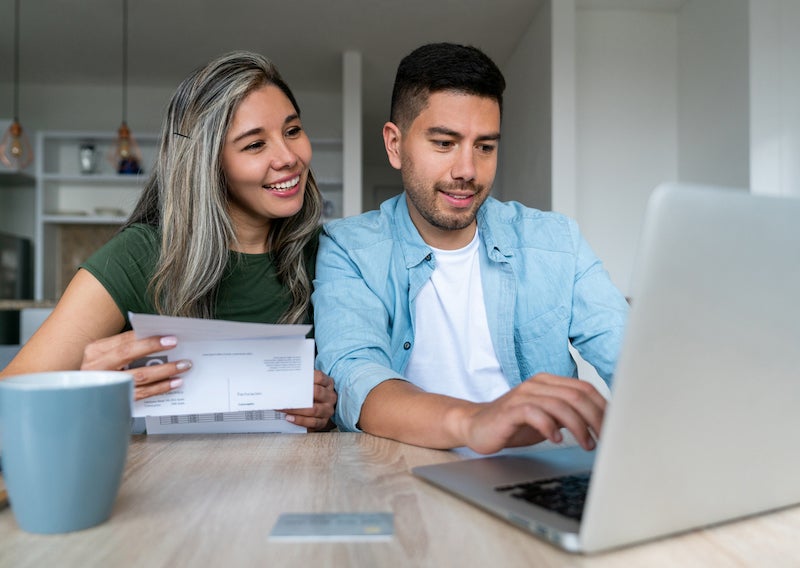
236, 367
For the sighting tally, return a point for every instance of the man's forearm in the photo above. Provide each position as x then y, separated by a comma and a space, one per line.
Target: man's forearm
531, 412
399, 410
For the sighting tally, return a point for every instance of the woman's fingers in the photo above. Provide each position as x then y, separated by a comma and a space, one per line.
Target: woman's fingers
318, 417
119, 351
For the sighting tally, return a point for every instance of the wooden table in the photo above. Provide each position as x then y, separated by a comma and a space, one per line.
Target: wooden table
212, 501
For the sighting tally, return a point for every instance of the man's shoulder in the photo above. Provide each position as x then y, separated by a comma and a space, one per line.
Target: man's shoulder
364, 230
520, 222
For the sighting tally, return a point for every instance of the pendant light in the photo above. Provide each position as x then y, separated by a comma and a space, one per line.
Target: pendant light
125, 155
15, 148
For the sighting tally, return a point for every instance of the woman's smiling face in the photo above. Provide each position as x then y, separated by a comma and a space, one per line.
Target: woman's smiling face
265, 158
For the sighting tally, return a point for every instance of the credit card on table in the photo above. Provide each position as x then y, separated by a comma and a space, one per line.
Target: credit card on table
333, 526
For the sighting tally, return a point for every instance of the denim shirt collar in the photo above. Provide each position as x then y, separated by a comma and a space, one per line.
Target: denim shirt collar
496, 232
415, 250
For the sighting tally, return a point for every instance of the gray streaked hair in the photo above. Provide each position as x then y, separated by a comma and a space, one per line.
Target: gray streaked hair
186, 196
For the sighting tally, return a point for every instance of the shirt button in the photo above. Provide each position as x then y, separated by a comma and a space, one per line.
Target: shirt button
407, 345
428, 258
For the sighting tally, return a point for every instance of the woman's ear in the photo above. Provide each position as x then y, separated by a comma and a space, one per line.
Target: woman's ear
391, 140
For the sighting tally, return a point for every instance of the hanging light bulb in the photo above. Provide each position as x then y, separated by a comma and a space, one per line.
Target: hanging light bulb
125, 154
15, 148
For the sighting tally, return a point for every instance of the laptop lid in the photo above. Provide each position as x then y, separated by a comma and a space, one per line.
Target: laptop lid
705, 390
708, 381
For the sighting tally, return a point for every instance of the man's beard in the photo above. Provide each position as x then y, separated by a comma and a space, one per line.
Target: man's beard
425, 202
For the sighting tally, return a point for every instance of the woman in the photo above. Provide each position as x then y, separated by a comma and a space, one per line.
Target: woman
226, 228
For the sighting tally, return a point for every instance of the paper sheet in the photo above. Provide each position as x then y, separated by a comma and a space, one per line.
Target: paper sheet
270, 421
236, 366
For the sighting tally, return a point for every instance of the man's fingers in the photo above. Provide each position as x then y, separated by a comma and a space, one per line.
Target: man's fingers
538, 408
566, 416
577, 385
580, 396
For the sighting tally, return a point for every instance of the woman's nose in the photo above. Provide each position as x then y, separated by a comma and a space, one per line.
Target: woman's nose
283, 156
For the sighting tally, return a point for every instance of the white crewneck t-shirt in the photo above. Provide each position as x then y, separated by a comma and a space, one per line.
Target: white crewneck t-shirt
453, 352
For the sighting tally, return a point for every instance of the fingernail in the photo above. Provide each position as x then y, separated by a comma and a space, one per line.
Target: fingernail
169, 341
175, 383
557, 437
289, 418
183, 365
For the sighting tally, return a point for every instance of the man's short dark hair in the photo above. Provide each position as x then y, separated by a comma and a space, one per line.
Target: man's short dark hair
442, 67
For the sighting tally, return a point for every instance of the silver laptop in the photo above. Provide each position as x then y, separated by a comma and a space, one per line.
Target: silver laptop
702, 423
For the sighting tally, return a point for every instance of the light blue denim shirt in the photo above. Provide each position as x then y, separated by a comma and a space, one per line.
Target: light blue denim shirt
543, 288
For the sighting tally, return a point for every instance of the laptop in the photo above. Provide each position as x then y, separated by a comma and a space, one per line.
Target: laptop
704, 411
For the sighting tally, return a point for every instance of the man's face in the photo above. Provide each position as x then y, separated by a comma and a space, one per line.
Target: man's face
448, 159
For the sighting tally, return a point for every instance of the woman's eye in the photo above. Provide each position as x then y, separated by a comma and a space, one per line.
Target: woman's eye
293, 131
254, 145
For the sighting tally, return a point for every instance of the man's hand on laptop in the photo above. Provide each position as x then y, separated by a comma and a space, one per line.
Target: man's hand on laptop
535, 411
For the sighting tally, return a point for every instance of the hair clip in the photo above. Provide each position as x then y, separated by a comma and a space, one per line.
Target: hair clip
181, 135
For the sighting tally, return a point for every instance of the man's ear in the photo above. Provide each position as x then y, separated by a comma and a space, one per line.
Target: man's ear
391, 140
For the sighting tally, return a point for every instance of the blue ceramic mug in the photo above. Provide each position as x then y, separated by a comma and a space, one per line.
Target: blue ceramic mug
65, 440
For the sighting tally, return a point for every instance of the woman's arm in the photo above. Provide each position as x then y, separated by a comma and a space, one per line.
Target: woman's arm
85, 313
83, 332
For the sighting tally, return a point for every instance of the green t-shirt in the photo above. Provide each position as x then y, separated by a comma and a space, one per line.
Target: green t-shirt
250, 291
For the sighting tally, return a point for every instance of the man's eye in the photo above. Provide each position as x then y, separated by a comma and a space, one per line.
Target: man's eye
486, 148
443, 143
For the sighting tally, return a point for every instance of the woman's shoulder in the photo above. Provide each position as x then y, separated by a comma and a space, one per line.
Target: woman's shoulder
140, 232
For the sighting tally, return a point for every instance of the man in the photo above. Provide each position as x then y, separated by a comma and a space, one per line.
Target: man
445, 317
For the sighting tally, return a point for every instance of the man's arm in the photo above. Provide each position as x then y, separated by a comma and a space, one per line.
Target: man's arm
599, 311
533, 411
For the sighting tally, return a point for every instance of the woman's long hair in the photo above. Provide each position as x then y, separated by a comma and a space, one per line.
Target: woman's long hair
186, 196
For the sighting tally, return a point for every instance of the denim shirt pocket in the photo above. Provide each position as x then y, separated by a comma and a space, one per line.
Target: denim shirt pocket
541, 342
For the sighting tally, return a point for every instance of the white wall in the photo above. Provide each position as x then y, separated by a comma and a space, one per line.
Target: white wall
774, 97
90, 107
99, 107
713, 93
526, 147
564, 60
658, 92
626, 119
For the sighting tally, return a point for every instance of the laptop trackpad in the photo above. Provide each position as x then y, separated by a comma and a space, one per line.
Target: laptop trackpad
513, 466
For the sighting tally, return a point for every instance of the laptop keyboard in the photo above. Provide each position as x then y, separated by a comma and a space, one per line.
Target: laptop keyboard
564, 495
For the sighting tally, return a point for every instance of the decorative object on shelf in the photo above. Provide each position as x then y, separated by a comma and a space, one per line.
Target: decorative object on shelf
88, 158
125, 156
328, 209
15, 148
109, 212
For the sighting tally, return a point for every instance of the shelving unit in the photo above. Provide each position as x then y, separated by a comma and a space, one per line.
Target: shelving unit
70, 205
